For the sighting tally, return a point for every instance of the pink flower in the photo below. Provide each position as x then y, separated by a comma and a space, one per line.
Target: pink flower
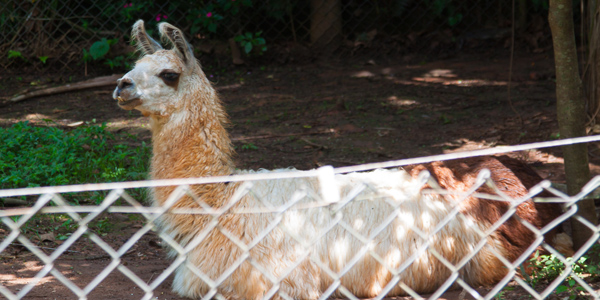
157, 17
209, 14
127, 5
164, 17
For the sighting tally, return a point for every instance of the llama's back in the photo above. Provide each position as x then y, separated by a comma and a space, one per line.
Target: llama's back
363, 241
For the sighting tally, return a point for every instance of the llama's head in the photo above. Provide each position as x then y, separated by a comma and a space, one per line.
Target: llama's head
162, 80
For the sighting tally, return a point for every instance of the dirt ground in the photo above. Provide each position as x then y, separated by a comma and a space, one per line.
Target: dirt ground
331, 112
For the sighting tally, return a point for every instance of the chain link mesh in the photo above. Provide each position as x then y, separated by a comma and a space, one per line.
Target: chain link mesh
54, 35
330, 205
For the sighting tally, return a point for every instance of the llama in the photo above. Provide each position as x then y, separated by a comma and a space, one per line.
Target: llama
189, 135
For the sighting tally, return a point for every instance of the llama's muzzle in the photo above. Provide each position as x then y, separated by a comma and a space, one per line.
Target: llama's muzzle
125, 94
123, 84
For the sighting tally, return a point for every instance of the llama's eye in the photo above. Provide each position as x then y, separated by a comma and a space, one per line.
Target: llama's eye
169, 76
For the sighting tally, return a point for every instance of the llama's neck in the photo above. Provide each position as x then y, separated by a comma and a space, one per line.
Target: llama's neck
192, 142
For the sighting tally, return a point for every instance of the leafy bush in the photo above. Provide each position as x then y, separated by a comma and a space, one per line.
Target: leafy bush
99, 51
206, 17
545, 268
47, 156
251, 41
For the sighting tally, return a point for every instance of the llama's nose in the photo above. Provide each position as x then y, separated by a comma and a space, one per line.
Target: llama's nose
124, 83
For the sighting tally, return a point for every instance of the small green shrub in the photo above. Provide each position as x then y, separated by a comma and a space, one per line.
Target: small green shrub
249, 146
251, 41
43, 59
99, 51
15, 54
546, 268
100, 48
47, 156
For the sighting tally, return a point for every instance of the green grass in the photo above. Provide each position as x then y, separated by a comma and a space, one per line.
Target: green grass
48, 156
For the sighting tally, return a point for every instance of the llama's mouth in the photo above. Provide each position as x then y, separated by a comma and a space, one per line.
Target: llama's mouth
128, 104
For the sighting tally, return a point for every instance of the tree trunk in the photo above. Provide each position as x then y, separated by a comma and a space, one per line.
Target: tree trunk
571, 111
326, 25
592, 72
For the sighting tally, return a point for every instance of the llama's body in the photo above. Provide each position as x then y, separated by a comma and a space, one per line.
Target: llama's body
315, 228
190, 140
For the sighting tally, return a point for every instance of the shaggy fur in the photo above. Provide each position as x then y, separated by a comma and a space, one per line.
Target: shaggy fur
309, 244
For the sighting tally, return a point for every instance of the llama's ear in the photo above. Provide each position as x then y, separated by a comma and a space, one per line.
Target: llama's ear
144, 42
180, 45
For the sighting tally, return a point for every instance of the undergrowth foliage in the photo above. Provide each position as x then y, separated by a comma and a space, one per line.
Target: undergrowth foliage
546, 268
47, 156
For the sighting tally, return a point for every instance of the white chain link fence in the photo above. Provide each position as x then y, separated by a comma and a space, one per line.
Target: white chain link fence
335, 220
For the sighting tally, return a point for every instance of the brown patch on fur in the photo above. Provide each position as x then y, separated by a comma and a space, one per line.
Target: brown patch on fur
513, 178
170, 78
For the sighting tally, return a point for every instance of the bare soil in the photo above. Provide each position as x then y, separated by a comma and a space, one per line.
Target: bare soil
332, 112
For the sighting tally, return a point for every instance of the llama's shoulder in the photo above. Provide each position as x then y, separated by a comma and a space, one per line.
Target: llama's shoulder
276, 192
396, 183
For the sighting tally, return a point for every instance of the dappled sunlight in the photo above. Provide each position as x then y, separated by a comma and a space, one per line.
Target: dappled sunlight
402, 102
137, 123
11, 280
23, 274
460, 82
440, 73
444, 77
464, 144
447, 77
36, 117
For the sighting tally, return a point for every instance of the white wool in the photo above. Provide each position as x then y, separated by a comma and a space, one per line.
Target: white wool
306, 231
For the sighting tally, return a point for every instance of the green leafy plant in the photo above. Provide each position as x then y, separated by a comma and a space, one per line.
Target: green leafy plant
103, 226
207, 18
446, 10
502, 294
249, 146
62, 226
130, 9
98, 49
46, 156
250, 41
43, 59
15, 54
119, 62
545, 268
